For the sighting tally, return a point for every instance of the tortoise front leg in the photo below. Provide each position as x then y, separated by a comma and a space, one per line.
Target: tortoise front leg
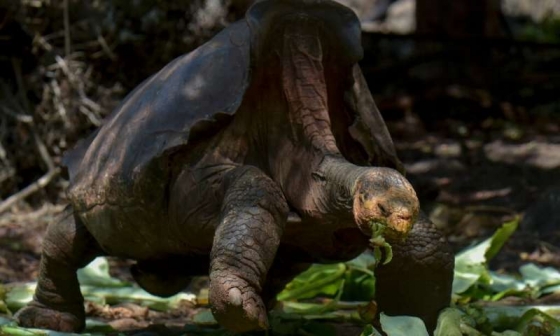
253, 217
418, 280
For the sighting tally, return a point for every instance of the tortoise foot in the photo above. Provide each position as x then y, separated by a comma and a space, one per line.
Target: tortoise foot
238, 308
37, 315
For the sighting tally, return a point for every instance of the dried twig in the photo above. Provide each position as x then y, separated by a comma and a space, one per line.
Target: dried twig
66, 29
105, 47
57, 102
7, 171
89, 114
53, 171
23, 118
43, 214
30, 189
88, 107
43, 151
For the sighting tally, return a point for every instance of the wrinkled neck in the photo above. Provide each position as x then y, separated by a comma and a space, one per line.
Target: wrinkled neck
305, 88
341, 174
294, 120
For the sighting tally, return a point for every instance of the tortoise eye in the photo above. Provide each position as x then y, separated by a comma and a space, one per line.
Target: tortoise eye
383, 209
365, 197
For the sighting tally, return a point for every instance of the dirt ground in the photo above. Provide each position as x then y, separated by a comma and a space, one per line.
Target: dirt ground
467, 186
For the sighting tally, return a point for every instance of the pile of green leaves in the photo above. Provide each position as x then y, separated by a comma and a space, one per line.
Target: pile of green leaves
97, 286
478, 294
326, 295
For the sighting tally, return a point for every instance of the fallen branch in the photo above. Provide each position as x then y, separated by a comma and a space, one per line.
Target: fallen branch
26, 119
29, 190
44, 214
105, 47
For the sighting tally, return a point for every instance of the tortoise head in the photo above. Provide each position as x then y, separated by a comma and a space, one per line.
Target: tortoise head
383, 197
339, 25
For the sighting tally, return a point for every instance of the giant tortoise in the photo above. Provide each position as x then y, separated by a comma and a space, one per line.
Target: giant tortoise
248, 159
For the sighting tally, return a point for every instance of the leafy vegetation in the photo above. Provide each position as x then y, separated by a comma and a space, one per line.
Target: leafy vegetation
545, 31
325, 295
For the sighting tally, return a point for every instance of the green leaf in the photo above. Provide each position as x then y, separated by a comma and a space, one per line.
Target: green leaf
365, 262
539, 277
537, 322
9, 330
403, 326
15, 331
471, 265
318, 279
97, 274
550, 289
19, 296
136, 295
449, 323
369, 330
303, 308
6, 321
500, 237
508, 317
359, 282
3, 292
505, 282
506, 333
204, 318
94, 326
378, 242
466, 276
358, 286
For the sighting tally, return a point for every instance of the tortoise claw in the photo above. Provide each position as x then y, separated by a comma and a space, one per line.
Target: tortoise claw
238, 308
37, 315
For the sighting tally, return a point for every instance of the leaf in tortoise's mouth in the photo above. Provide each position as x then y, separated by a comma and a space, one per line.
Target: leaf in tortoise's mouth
378, 243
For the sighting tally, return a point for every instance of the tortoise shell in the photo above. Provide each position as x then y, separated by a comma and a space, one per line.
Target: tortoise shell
126, 162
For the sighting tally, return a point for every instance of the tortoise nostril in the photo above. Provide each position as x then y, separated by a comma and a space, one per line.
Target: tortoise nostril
404, 217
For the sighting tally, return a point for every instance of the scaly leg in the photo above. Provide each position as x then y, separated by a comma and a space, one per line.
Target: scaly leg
254, 214
418, 280
58, 303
